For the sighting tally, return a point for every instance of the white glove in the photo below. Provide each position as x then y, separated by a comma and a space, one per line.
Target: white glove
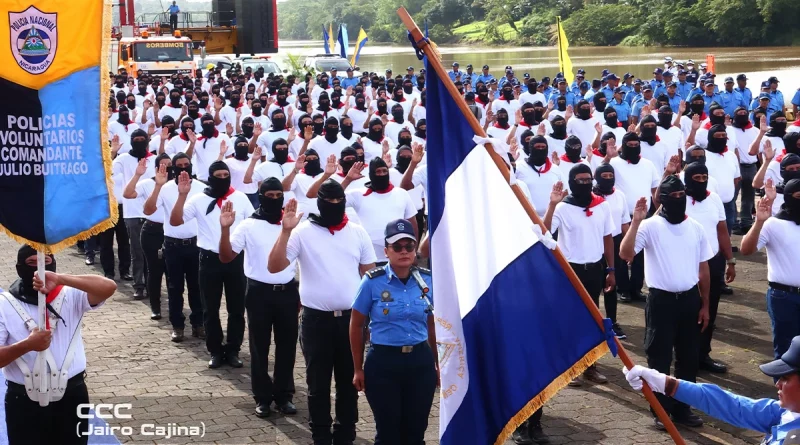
655, 380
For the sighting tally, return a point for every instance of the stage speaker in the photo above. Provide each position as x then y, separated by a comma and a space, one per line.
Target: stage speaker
224, 12
257, 26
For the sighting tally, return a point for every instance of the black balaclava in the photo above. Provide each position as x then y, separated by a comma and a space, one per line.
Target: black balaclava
382, 107
278, 123
714, 119
583, 113
790, 210
203, 102
717, 145
672, 209
361, 102
648, 134
610, 115
346, 129
790, 142
234, 100
347, 165
580, 194
698, 191
397, 94
631, 154
561, 103
740, 121
318, 124
124, 116
304, 101
324, 102
665, 117
241, 149
193, 110
524, 140
256, 108
207, 124
528, 114
374, 133
402, 162
572, 148
186, 124
604, 186
139, 148
786, 174
176, 171
280, 99
280, 156
169, 123
248, 126
421, 129
692, 155
696, 106
377, 183
175, 98
404, 137
502, 118
131, 103
269, 209
170, 172
330, 214
161, 99
22, 288
312, 168
331, 129
217, 187
559, 125
537, 157
776, 129
336, 100
397, 113
507, 93
600, 101
538, 111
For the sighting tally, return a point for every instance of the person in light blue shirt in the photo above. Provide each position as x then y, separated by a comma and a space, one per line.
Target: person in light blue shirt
741, 87
662, 89
596, 85
756, 100
709, 97
622, 108
173, 10
776, 102
547, 90
580, 76
400, 374
351, 81
455, 74
635, 93
639, 103
684, 87
730, 98
774, 418
583, 88
627, 83
611, 82
796, 103
673, 97
563, 91
657, 82
410, 75
484, 77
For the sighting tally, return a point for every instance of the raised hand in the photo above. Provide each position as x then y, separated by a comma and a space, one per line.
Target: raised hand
589, 154
764, 209
308, 132
762, 122
227, 215
161, 175
355, 170
541, 129
640, 211
611, 151
554, 157
229, 129
518, 116
645, 111
257, 130
291, 218
418, 151
223, 148
598, 127
256, 154
385, 146
695, 122
558, 193
727, 120
387, 158
569, 113
300, 163
218, 103
191, 135
514, 150
115, 145
769, 152
682, 107
770, 191
674, 164
164, 133
151, 129
632, 128
489, 115
330, 165
141, 168
184, 183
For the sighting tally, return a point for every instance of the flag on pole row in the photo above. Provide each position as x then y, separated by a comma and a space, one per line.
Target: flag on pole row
564, 62
326, 39
344, 45
511, 328
360, 43
55, 163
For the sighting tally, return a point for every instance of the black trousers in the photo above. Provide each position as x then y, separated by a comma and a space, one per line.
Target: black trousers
716, 267
399, 388
272, 310
214, 275
593, 278
123, 244
29, 423
636, 270
610, 298
325, 341
152, 239
173, 21
183, 263
533, 421
671, 323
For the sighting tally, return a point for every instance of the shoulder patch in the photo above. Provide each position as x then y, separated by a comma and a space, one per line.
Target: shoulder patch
376, 272
423, 270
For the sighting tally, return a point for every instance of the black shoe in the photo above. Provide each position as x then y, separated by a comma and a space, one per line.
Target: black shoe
689, 419
89, 261
233, 359
521, 436
177, 336
658, 424
139, 294
711, 365
216, 361
740, 231
126, 276
81, 248
155, 316
262, 410
110, 276
537, 435
726, 290
199, 332
624, 297
735, 249
619, 332
638, 296
287, 408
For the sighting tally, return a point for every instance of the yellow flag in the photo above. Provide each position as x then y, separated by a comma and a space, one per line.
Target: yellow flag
564, 63
360, 42
331, 39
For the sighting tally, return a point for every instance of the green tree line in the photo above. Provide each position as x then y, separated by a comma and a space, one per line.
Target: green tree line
532, 22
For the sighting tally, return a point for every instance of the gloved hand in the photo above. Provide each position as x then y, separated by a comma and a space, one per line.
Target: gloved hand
655, 380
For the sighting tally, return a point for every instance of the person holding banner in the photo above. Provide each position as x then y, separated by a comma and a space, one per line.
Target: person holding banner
69, 297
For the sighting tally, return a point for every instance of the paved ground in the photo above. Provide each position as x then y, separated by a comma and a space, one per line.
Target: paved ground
131, 360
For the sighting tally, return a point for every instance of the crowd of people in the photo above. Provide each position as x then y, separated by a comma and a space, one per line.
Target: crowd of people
307, 195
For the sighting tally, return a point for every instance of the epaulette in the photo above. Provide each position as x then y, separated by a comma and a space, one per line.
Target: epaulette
424, 270
376, 272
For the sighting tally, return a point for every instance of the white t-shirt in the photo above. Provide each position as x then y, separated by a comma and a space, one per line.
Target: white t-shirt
167, 198
540, 185
635, 180
271, 169
358, 117
708, 212
392, 129
528, 98
13, 330
256, 237
510, 106
203, 157
329, 263
584, 130
144, 189
173, 112
555, 145
499, 133
743, 140
548, 128
657, 154
238, 169
782, 239
124, 168
619, 211
672, 139
405, 103
325, 148
302, 182
672, 253
124, 134
724, 168
208, 229
227, 115
373, 149
580, 235
378, 209
268, 137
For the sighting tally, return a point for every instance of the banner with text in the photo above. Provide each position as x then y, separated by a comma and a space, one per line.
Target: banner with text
55, 163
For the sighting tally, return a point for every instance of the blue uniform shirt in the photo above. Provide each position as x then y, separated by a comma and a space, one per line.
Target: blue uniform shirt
684, 89
548, 91
174, 9
730, 101
747, 95
571, 98
453, 74
775, 101
608, 91
514, 82
658, 87
625, 89
347, 82
636, 109
711, 99
675, 102
396, 310
622, 108
631, 96
763, 415
483, 78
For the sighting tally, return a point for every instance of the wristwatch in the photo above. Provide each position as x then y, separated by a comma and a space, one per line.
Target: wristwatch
609, 269
732, 261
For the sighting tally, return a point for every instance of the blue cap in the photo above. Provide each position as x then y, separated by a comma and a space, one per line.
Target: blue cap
612, 76
455, 64
584, 85
638, 82
545, 79
526, 75
618, 90
789, 363
741, 77
397, 230
349, 69
765, 84
647, 87
486, 67
581, 71
333, 68
672, 84
667, 73
683, 72
658, 71
605, 72
410, 68
388, 70
763, 96
469, 66
627, 76
508, 67
729, 79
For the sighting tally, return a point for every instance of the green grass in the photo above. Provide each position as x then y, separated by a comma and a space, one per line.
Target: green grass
475, 31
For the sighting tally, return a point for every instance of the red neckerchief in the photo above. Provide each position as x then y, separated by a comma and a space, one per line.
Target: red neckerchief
403, 99
619, 124
703, 116
49, 299
216, 134
596, 201
149, 153
749, 126
182, 136
339, 226
341, 105
707, 194
779, 158
380, 192
523, 124
565, 158
341, 173
478, 99
596, 152
238, 106
222, 199
280, 220
115, 111
497, 125
545, 168
796, 123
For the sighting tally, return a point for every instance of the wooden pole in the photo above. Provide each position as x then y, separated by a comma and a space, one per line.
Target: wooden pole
501, 165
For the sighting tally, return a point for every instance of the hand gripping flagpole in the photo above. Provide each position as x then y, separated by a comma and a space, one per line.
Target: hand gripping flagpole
425, 47
40, 370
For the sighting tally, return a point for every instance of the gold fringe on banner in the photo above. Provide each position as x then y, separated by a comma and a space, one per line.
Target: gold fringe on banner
555, 386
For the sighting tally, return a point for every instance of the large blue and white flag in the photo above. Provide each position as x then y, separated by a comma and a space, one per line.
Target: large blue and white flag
512, 330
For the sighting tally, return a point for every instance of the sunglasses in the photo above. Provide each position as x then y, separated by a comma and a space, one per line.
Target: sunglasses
408, 247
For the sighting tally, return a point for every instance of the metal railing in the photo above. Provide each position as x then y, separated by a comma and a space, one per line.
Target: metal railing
192, 19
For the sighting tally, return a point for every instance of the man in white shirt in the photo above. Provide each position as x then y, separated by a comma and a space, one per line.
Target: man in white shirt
333, 255
670, 135
746, 136
206, 208
652, 147
330, 143
223, 114
211, 146
181, 255
677, 252
538, 172
174, 108
583, 124
122, 128
271, 300
723, 165
584, 225
21, 340
397, 123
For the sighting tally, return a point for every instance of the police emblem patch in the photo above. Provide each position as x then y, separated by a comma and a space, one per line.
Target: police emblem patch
34, 39
386, 296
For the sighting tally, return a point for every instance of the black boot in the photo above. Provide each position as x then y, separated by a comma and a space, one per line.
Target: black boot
521, 436
536, 434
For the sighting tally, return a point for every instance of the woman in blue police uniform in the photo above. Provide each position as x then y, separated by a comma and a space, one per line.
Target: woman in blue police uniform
401, 372
778, 419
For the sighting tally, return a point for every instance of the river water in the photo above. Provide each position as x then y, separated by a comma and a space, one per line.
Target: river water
757, 63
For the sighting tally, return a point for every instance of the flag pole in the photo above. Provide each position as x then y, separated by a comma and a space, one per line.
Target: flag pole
560, 53
425, 47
